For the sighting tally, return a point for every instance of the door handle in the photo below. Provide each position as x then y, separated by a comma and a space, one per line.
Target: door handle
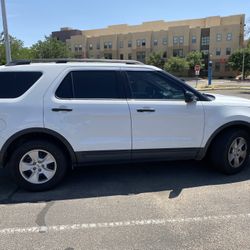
150, 110
61, 110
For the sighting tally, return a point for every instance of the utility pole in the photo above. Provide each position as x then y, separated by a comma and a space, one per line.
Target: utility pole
6, 33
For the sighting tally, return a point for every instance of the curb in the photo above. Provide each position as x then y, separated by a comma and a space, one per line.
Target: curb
221, 88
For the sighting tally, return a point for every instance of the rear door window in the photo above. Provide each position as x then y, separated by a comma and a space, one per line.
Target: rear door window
15, 84
90, 85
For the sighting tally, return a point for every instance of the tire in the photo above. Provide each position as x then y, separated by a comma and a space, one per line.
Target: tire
38, 165
224, 154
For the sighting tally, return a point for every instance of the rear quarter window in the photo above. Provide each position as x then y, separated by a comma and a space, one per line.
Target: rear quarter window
15, 84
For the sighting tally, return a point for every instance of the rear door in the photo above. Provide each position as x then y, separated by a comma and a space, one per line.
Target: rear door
89, 109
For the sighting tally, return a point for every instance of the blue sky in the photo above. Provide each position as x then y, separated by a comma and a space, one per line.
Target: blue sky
31, 20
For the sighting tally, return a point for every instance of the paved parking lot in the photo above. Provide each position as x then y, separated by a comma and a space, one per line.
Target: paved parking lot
177, 205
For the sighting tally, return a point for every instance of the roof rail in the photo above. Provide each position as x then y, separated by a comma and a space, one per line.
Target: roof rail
18, 62
25, 62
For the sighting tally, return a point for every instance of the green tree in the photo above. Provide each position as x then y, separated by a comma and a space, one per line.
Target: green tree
236, 61
156, 59
248, 43
50, 48
177, 66
18, 51
195, 58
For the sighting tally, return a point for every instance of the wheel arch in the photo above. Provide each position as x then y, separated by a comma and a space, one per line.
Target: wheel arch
37, 133
231, 125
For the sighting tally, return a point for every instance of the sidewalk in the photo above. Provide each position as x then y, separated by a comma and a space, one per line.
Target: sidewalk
219, 84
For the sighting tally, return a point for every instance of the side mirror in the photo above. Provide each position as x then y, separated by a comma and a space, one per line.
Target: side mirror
190, 97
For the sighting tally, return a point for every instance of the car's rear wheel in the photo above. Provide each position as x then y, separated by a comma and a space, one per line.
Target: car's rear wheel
230, 151
38, 165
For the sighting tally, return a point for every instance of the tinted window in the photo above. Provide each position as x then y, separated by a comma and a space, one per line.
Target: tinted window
95, 84
14, 84
151, 85
90, 85
65, 90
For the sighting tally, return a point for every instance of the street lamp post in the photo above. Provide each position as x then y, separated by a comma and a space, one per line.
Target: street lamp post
6, 33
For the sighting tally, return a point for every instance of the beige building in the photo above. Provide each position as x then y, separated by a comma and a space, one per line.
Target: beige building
217, 37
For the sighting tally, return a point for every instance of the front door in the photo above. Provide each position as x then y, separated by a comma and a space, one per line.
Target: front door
161, 119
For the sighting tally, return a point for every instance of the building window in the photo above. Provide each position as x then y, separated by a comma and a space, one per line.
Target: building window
121, 44
178, 52
129, 56
98, 46
194, 39
78, 48
218, 37
164, 41
229, 36
141, 42
205, 40
90, 46
164, 55
181, 39
98, 56
228, 51
155, 42
129, 44
108, 56
205, 52
121, 57
217, 66
141, 56
176, 40
107, 45
218, 52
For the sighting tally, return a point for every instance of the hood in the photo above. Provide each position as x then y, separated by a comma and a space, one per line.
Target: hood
229, 100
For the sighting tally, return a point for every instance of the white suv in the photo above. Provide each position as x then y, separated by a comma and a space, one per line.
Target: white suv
58, 115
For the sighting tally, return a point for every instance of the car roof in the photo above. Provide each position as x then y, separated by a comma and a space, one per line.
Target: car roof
62, 66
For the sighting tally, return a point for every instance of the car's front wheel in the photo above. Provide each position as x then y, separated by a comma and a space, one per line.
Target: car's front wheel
230, 151
38, 165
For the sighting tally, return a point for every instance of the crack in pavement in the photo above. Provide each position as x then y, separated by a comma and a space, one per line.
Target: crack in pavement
40, 220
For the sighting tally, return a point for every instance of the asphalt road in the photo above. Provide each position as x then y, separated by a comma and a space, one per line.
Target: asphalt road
177, 205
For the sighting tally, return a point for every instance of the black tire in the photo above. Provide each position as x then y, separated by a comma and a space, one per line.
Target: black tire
59, 171
220, 148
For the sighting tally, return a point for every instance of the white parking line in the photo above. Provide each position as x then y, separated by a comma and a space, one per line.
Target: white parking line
57, 228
